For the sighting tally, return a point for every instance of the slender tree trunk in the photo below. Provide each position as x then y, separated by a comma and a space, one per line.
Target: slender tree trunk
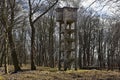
6, 55
108, 59
2, 57
33, 67
59, 62
84, 50
80, 59
51, 43
2, 50
76, 35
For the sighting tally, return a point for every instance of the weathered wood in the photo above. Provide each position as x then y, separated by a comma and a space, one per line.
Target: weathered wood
59, 15
70, 31
68, 14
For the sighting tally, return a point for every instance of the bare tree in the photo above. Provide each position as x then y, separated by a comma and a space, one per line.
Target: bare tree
32, 11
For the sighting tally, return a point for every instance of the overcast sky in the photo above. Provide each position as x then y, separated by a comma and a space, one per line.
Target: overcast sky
105, 7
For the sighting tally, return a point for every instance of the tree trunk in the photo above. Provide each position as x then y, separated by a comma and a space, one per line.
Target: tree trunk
51, 43
13, 52
33, 67
80, 58
76, 35
59, 62
6, 56
2, 57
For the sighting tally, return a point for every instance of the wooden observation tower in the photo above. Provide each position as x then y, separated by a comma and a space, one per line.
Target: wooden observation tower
67, 18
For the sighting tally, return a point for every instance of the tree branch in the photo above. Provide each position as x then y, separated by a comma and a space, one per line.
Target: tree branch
45, 11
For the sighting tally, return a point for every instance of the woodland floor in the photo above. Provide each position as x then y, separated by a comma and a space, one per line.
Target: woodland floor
46, 73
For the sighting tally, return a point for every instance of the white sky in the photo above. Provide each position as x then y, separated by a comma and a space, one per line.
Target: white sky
104, 7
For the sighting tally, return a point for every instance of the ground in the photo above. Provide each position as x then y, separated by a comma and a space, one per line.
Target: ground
46, 73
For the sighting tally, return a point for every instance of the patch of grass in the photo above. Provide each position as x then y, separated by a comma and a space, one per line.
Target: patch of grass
1, 78
47, 73
47, 69
43, 68
31, 76
78, 71
53, 70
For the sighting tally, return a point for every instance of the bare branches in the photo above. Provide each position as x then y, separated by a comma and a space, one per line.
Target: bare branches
45, 12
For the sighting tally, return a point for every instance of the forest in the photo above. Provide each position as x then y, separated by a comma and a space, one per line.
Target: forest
60, 39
